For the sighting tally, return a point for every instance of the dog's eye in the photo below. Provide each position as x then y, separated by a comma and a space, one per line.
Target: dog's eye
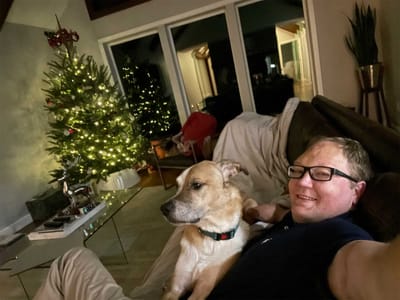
196, 185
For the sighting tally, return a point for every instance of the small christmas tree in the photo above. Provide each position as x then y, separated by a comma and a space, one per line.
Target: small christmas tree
90, 117
155, 112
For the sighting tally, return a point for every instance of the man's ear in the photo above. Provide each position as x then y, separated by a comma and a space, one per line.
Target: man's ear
359, 189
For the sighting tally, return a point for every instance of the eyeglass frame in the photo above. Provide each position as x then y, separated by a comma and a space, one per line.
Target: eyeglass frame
333, 171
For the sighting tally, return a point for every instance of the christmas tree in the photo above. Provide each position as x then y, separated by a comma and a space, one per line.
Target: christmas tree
155, 112
90, 120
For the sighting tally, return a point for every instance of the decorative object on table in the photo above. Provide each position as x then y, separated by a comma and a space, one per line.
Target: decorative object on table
81, 206
46, 204
89, 116
64, 223
362, 43
80, 195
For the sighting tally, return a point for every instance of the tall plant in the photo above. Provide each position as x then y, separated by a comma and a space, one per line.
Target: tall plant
361, 39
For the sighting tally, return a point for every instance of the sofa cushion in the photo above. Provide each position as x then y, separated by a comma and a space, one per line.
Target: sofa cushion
306, 123
379, 208
381, 143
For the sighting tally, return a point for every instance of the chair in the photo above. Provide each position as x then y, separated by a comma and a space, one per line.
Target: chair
180, 161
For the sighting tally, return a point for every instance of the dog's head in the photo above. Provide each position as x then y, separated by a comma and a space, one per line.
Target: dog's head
202, 189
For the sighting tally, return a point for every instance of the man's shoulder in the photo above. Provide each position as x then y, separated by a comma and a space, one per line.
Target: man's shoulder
339, 230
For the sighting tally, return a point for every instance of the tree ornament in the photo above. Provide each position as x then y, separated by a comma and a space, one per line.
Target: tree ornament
49, 103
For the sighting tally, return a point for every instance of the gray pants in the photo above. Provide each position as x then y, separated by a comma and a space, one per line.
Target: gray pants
79, 275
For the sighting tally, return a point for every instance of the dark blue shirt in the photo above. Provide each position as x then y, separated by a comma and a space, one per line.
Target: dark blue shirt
289, 261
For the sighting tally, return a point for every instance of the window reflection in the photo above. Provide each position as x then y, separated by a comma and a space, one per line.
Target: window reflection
276, 50
145, 80
206, 64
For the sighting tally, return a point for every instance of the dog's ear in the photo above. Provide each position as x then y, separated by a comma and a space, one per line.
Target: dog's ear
230, 168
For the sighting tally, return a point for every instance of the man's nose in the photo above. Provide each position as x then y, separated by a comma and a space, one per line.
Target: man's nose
305, 180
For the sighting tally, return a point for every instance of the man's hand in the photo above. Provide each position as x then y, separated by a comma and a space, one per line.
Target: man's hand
267, 212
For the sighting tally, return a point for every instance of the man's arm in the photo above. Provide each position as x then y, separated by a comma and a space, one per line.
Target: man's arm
366, 270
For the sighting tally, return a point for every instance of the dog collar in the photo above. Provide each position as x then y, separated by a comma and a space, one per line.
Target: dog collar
220, 236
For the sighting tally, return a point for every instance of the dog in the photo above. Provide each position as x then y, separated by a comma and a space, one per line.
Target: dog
210, 207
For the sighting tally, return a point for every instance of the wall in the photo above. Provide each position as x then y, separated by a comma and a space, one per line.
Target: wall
24, 162
337, 67
390, 33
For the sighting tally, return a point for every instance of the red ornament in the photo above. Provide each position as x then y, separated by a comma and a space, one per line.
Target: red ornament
49, 102
61, 37
71, 131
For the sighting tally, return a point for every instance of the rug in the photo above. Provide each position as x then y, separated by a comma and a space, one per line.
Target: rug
141, 228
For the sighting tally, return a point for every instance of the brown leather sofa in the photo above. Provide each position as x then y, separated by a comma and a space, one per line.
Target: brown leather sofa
379, 208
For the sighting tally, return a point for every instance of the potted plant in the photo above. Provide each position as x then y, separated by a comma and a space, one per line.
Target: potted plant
362, 43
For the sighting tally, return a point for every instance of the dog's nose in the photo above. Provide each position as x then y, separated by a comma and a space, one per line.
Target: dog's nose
166, 208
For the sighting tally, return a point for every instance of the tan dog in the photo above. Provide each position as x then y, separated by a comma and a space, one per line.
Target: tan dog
210, 208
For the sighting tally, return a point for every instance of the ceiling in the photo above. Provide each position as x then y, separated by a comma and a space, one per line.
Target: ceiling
40, 13
37, 13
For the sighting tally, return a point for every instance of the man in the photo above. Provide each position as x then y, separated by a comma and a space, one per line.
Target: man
291, 261
312, 252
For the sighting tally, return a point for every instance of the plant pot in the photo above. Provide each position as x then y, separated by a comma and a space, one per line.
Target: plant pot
371, 76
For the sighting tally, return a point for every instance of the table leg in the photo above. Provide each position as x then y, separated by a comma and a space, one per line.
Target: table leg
119, 240
23, 286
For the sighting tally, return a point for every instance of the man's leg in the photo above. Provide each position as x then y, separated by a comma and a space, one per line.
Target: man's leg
79, 275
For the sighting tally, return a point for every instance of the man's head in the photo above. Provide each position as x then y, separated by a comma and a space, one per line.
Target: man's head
328, 179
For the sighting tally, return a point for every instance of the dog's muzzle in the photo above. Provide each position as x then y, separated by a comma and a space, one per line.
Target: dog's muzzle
167, 207
179, 213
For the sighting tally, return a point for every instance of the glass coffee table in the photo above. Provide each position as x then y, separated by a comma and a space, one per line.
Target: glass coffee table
40, 253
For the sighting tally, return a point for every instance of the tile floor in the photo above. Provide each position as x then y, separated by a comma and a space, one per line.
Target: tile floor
143, 232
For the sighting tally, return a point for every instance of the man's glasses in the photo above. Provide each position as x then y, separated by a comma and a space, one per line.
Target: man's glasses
318, 173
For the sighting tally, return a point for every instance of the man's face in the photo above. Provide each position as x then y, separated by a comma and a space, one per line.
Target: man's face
313, 201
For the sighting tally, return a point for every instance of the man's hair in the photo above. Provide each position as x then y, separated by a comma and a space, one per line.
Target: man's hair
354, 152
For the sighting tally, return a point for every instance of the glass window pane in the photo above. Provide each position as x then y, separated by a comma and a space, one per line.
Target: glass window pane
206, 64
277, 54
143, 74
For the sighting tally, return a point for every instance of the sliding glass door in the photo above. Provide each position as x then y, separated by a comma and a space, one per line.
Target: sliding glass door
205, 61
274, 35
194, 60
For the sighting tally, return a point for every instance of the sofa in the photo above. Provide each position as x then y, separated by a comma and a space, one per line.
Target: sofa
378, 210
